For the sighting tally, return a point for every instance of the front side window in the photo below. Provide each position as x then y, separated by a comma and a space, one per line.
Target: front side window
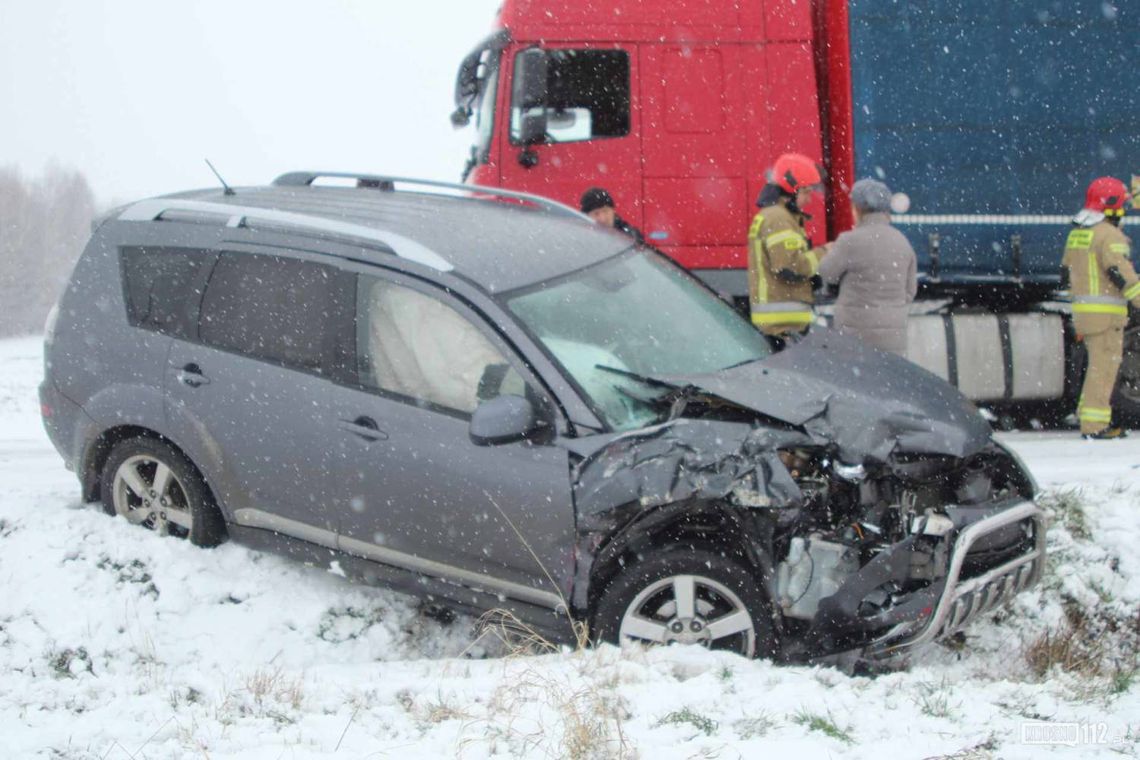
416, 346
588, 96
634, 316
268, 307
159, 287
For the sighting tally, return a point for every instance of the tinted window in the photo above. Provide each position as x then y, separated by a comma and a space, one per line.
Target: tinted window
587, 96
159, 287
268, 307
419, 347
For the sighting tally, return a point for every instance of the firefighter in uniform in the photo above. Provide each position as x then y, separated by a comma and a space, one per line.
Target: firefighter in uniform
1102, 281
781, 262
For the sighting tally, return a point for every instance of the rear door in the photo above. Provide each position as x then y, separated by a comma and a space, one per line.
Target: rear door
422, 495
248, 397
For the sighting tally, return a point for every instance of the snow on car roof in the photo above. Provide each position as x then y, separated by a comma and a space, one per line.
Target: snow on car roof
498, 245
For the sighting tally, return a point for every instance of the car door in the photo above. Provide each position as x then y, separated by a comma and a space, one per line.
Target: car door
423, 496
249, 397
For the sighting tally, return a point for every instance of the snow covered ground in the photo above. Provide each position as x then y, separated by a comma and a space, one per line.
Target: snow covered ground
116, 643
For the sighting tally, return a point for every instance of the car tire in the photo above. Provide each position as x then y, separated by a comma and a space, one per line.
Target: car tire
730, 608
150, 483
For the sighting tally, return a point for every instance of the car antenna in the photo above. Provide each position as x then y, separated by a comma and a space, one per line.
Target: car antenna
228, 190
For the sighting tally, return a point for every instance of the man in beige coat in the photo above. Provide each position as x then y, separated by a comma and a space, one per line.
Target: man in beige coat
875, 269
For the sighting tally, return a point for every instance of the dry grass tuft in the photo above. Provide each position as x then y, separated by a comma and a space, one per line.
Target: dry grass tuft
1094, 645
1066, 507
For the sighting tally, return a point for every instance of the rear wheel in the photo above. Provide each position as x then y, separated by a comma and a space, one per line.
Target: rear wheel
150, 483
688, 597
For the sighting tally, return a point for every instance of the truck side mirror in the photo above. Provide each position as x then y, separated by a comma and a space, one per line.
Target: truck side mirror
532, 128
529, 88
528, 95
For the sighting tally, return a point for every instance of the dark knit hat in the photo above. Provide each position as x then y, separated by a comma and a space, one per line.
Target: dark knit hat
594, 199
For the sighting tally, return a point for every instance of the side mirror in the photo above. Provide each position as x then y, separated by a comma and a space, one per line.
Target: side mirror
528, 95
505, 419
529, 88
532, 128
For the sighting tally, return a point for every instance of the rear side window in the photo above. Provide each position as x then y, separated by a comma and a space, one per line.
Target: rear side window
269, 307
161, 287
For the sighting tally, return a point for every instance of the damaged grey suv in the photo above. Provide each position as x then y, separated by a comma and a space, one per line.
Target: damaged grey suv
480, 398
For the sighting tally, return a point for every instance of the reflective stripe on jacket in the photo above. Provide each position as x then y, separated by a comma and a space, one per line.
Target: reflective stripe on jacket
1102, 279
781, 264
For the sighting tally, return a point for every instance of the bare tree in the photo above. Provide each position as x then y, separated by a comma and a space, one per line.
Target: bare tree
44, 224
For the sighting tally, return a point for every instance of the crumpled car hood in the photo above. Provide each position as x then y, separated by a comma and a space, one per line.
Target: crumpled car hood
866, 402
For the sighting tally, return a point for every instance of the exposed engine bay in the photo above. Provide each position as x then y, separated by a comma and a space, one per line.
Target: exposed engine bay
850, 516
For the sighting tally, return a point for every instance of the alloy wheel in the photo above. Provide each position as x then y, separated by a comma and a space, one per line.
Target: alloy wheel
147, 492
690, 609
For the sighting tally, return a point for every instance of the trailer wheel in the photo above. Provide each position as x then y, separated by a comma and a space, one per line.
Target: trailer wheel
1127, 402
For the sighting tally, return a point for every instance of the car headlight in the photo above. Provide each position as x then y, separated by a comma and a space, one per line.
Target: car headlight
1022, 468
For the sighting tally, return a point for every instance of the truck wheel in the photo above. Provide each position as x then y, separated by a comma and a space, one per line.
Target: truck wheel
688, 597
1127, 400
150, 483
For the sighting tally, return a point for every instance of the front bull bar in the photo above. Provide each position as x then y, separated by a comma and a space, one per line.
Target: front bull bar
963, 602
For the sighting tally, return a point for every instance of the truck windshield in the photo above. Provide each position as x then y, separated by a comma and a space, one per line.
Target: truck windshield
616, 325
485, 114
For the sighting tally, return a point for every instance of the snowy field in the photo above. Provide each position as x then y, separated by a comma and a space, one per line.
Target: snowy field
116, 643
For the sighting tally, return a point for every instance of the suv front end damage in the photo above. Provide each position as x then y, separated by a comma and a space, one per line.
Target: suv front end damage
876, 521
891, 562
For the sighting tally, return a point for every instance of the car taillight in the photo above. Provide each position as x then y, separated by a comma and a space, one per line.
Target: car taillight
45, 411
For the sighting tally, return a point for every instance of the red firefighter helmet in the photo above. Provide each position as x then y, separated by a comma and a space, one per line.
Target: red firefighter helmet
1107, 195
795, 171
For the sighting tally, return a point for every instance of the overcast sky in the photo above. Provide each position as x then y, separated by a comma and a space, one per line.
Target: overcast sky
135, 93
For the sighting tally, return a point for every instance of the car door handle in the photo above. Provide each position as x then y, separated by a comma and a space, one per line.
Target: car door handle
364, 427
191, 375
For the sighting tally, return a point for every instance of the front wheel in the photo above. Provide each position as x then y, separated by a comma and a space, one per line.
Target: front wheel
688, 597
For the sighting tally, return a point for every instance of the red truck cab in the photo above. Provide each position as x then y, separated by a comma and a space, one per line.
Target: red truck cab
677, 115
976, 111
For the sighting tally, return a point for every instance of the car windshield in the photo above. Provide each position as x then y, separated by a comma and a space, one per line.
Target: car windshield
616, 325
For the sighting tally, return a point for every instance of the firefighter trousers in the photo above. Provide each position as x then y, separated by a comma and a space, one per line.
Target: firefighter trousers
1105, 350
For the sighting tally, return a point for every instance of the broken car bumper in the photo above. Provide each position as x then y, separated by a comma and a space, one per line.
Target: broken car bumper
963, 599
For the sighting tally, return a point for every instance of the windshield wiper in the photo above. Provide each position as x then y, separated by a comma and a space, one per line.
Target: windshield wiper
675, 398
738, 364
634, 376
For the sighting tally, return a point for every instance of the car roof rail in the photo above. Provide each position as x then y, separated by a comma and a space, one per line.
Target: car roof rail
237, 216
388, 184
